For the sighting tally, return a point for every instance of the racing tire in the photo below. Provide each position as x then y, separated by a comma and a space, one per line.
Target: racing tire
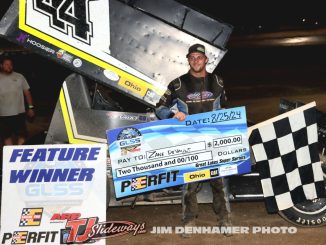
310, 213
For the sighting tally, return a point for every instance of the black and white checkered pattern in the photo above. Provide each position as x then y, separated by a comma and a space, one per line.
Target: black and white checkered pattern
286, 154
25, 211
23, 223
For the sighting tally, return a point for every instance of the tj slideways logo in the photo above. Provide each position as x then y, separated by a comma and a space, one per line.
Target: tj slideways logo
88, 230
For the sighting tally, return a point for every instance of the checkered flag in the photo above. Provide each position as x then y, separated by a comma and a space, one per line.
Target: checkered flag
286, 153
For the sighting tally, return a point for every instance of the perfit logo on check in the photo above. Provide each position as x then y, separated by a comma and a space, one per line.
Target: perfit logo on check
147, 181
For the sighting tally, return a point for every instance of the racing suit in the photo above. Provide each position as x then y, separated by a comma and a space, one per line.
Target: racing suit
191, 95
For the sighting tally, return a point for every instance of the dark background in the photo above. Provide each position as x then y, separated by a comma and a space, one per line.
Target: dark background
254, 17
260, 61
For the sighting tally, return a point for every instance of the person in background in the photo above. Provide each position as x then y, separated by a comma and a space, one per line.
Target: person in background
195, 92
13, 90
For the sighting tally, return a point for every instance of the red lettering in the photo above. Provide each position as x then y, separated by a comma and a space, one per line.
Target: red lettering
66, 216
56, 217
78, 226
74, 216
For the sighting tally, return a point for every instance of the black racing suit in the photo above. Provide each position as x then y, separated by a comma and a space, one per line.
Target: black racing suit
192, 95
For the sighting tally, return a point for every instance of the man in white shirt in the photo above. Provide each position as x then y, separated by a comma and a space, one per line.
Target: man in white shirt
13, 89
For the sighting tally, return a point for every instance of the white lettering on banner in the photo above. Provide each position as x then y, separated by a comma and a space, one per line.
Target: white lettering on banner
176, 150
41, 46
54, 190
171, 162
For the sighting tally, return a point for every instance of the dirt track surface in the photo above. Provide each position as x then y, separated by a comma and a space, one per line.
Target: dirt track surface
244, 214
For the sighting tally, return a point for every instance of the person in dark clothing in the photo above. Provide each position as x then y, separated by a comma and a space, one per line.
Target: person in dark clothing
195, 92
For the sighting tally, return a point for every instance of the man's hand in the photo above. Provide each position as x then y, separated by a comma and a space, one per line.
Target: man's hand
180, 116
30, 113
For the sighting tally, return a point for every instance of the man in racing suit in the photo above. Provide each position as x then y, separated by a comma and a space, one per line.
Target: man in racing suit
195, 92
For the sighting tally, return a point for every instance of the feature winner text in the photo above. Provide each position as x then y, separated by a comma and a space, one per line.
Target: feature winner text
46, 155
142, 182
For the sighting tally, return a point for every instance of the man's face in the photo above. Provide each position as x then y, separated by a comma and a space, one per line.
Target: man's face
7, 66
197, 62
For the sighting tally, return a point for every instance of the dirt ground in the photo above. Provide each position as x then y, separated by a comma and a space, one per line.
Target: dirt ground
244, 214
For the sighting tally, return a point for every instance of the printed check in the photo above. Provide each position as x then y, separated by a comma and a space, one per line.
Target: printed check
165, 153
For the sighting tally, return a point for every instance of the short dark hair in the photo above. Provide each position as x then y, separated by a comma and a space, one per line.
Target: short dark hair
5, 58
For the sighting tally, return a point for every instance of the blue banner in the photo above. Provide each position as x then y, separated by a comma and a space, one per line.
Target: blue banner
165, 153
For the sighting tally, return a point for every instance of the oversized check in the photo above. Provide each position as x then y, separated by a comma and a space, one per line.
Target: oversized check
165, 153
